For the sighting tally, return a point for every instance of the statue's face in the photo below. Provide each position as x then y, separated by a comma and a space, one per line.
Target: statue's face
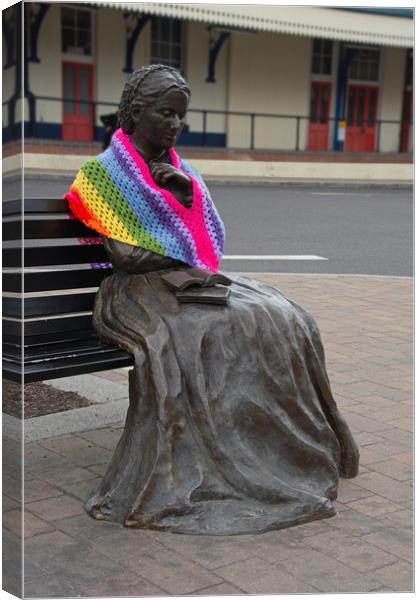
160, 124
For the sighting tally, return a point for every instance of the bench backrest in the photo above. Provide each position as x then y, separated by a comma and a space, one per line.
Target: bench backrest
47, 308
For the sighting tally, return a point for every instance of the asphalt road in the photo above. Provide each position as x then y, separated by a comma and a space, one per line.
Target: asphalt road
358, 230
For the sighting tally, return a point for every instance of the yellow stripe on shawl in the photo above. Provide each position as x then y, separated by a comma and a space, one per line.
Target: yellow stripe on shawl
101, 210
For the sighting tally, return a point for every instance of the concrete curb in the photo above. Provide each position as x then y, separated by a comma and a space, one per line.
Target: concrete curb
279, 171
70, 421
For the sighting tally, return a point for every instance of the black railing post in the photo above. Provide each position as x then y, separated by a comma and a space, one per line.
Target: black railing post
297, 133
204, 136
378, 137
252, 131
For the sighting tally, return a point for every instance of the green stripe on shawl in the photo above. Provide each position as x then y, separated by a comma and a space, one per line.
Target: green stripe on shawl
101, 181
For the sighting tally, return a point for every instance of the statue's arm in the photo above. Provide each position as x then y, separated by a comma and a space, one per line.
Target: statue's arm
133, 259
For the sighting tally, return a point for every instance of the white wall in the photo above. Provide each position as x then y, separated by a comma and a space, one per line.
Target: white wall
205, 94
390, 108
45, 77
269, 73
110, 57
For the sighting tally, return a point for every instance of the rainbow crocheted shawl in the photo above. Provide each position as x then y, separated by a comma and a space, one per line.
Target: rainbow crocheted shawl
115, 195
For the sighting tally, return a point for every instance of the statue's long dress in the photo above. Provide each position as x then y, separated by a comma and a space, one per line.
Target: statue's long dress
232, 427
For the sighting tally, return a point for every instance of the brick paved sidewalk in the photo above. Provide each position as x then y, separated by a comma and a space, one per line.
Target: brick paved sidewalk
366, 325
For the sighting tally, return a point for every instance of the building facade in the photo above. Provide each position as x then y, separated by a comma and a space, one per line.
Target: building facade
268, 77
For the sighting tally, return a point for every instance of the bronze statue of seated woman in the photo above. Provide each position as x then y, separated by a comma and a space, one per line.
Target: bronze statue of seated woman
232, 427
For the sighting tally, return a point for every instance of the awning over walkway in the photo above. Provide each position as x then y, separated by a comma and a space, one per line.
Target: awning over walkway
311, 21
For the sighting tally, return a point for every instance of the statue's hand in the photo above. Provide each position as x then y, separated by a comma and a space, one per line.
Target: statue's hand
173, 179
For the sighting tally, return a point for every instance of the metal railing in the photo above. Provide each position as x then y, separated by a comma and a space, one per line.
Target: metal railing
203, 132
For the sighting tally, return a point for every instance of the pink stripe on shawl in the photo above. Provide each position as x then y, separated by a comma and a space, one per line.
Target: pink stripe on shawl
193, 217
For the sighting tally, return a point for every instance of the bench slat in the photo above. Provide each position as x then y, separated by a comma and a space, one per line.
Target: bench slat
46, 228
54, 255
43, 281
59, 349
52, 338
47, 305
35, 205
68, 366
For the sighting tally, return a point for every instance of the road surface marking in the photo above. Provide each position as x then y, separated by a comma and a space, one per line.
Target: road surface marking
274, 257
339, 194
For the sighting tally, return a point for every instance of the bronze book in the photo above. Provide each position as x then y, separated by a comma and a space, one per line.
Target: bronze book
182, 279
207, 295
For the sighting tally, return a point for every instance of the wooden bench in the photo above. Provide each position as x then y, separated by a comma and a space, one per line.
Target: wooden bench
47, 311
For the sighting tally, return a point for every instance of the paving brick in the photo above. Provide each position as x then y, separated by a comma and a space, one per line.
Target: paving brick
255, 576
328, 574
170, 571
395, 469
396, 541
358, 423
373, 402
398, 411
127, 542
364, 438
99, 469
375, 506
12, 584
56, 508
396, 491
35, 489
84, 457
81, 563
353, 552
65, 443
399, 576
274, 549
8, 503
12, 520
83, 527
106, 438
405, 438
40, 548
222, 589
209, 551
348, 491
81, 489
377, 452
406, 424
50, 587
402, 518
356, 523
122, 584
71, 474
12, 486
37, 457
406, 457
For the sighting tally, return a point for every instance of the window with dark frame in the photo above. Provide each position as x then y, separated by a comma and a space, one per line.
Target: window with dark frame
76, 31
322, 57
365, 65
166, 45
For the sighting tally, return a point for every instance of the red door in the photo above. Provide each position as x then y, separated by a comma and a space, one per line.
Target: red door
77, 102
362, 107
318, 115
406, 121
